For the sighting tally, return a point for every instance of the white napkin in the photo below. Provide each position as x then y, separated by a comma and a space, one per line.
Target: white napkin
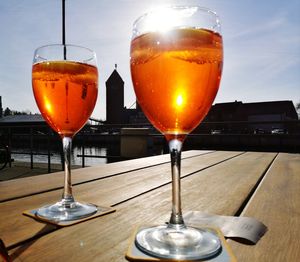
232, 227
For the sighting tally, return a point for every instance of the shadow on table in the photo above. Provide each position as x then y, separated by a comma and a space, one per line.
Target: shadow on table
20, 247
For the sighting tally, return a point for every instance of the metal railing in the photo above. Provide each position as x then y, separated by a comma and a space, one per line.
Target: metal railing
232, 135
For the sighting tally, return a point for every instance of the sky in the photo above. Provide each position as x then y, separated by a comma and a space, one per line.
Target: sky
261, 45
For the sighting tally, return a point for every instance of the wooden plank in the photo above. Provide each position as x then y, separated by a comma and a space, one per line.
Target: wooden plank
110, 191
217, 189
276, 203
32, 185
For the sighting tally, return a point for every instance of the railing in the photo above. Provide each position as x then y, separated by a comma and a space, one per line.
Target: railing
7, 138
229, 136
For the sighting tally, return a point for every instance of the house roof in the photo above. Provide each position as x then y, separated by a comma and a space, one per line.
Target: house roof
36, 118
239, 110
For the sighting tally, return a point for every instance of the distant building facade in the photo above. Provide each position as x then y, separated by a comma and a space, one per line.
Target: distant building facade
264, 116
114, 99
259, 111
248, 117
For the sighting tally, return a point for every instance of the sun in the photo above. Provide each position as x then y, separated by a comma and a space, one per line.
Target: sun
163, 19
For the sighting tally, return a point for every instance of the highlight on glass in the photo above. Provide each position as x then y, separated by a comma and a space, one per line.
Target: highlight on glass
65, 87
176, 60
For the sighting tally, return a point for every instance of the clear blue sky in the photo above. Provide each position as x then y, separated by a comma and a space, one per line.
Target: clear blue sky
261, 45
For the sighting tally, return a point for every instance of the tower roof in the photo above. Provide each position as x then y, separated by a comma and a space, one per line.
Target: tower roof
114, 78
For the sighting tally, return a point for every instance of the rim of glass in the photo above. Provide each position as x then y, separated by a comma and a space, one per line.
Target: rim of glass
77, 46
92, 52
178, 7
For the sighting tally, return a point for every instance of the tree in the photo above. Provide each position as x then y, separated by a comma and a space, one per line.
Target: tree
7, 112
298, 109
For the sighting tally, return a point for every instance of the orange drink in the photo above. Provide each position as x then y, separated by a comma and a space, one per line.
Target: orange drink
66, 93
176, 76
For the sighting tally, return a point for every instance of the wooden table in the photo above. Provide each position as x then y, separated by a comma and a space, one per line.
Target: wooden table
265, 186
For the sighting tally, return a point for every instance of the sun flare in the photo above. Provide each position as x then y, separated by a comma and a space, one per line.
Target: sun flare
165, 19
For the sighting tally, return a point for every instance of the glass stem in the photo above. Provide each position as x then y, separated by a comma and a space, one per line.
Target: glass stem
67, 196
176, 219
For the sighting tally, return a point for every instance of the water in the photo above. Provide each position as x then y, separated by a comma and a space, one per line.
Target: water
56, 157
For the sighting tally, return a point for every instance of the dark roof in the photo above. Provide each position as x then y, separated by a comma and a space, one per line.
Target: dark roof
229, 106
271, 107
114, 78
22, 119
236, 111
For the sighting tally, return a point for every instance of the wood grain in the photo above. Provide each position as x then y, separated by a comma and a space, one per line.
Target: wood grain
15, 227
277, 204
219, 189
31, 185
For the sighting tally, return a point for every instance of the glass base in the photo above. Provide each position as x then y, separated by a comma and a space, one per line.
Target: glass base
62, 212
178, 242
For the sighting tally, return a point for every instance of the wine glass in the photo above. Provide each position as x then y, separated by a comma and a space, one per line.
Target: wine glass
176, 59
65, 87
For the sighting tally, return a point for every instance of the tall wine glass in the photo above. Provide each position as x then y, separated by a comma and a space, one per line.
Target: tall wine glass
176, 60
65, 87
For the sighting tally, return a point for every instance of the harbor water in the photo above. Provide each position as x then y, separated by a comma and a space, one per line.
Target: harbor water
41, 156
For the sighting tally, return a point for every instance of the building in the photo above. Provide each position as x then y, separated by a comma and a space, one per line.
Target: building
232, 117
22, 120
116, 113
259, 111
114, 98
249, 117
